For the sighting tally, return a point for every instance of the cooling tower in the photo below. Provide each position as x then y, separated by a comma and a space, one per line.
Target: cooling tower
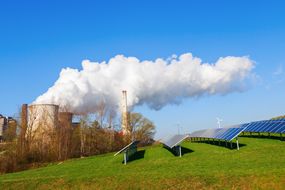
42, 118
125, 115
65, 119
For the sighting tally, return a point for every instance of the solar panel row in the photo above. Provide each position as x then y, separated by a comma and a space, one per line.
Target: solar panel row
265, 126
226, 134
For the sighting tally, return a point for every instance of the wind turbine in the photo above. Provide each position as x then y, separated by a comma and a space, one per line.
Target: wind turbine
219, 122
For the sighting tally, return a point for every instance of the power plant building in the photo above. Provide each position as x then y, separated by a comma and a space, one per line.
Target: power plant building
5, 124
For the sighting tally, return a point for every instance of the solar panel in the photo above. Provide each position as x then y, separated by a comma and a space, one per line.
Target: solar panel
134, 143
174, 140
266, 126
128, 150
227, 134
173, 143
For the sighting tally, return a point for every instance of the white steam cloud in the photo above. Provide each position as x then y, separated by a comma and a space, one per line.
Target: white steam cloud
154, 83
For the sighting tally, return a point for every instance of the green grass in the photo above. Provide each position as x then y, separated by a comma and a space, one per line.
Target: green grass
258, 165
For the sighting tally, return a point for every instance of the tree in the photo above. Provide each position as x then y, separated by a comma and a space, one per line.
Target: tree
142, 129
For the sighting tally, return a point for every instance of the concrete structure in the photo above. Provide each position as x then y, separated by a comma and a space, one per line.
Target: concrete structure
42, 119
125, 114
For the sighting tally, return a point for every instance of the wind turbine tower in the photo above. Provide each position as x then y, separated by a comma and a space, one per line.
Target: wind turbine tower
219, 122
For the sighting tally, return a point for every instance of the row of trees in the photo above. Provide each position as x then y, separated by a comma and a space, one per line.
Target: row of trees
92, 135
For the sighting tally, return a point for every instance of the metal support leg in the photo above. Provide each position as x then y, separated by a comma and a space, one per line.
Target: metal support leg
180, 154
231, 145
125, 158
237, 144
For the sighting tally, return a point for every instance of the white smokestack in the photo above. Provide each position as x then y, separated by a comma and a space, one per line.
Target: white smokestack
125, 114
154, 83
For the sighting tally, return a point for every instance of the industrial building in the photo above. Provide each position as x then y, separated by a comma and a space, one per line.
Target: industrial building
40, 120
5, 123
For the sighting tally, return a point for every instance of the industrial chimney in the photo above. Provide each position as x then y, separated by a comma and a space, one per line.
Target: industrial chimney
125, 115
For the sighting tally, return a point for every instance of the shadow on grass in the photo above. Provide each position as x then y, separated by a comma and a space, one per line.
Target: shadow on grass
175, 152
275, 137
136, 156
227, 145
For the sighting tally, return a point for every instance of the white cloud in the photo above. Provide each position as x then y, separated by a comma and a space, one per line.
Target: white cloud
154, 83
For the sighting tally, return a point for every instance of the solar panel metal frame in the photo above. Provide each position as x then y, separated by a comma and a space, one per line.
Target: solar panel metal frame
126, 147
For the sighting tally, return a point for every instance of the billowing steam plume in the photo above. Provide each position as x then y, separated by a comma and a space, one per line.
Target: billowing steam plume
154, 83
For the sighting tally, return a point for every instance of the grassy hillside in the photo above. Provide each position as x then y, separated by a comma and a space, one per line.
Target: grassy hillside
260, 164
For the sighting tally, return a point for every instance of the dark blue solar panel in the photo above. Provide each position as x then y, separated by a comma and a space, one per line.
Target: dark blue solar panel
253, 125
234, 132
265, 126
219, 133
259, 126
281, 128
274, 127
270, 126
225, 134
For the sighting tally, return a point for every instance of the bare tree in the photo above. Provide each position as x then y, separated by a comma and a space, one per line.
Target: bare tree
141, 128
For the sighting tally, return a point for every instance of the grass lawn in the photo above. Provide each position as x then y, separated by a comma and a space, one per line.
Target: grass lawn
259, 164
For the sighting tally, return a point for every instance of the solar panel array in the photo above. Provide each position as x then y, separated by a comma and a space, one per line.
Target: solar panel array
226, 134
265, 126
174, 140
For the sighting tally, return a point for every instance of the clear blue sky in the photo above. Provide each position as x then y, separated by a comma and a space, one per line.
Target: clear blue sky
39, 38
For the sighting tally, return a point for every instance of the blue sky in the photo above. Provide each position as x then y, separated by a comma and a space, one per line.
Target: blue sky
39, 38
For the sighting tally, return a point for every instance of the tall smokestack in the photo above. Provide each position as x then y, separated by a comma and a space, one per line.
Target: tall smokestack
125, 118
